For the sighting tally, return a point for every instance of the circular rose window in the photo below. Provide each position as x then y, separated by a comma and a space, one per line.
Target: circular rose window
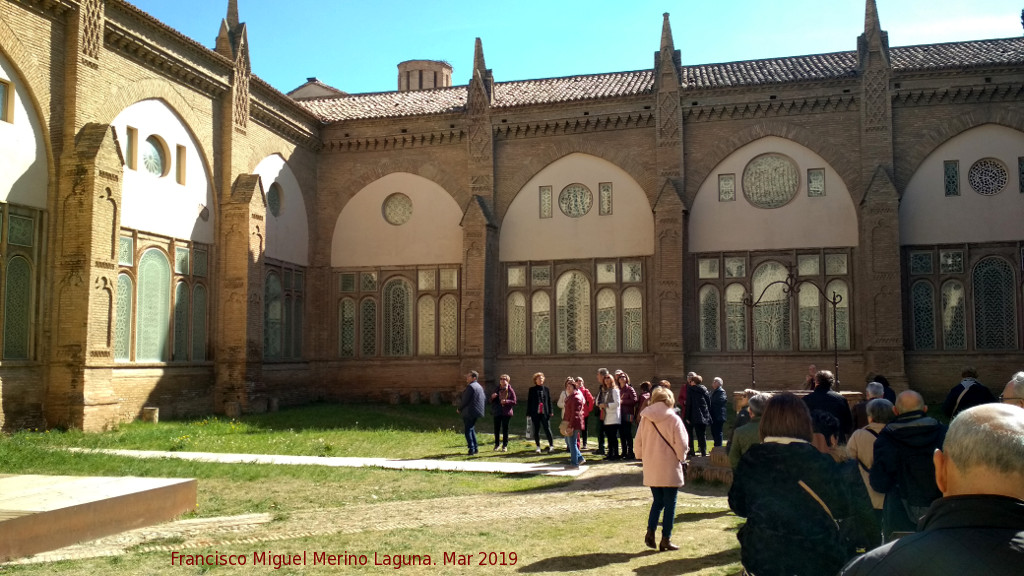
397, 209
274, 199
770, 180
987, 176
154, 158
575, 200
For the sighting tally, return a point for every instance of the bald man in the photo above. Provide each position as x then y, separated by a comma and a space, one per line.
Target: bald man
977, 527
903, 468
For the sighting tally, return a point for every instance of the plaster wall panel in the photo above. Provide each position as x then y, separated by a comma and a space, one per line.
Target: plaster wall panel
288, 231
22, 150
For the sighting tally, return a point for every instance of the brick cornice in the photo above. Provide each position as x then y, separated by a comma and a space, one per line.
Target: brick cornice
137, 48
55, 8
395, 141
575, 125
986, 93
281, 124
771, 108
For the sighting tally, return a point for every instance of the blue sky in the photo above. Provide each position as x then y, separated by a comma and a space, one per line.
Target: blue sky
355, 45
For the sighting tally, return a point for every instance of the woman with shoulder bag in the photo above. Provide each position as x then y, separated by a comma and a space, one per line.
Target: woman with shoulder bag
572, 421
661, 444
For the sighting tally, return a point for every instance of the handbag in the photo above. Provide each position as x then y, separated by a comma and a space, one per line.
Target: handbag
565, 429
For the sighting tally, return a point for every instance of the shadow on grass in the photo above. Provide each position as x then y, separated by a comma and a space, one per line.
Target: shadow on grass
581, 562
675, 565
698, 516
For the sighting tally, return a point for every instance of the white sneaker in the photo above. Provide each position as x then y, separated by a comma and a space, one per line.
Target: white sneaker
537, 450
495, 448
504, 448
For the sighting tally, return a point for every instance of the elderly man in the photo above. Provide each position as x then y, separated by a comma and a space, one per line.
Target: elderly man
1013, 393
749, 434
823, 398
903, 469
860, 410
977, 527
719, 401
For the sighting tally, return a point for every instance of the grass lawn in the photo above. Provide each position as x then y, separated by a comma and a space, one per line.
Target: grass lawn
551, 525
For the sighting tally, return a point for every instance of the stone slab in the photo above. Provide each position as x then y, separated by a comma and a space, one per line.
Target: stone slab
40, 513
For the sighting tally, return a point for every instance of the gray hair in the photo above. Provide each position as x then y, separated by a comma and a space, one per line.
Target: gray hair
1017, 380
880, 410
875, 390
757, 403
990, 435
602, 371
718, 381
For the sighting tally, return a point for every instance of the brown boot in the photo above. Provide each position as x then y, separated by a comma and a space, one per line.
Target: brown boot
666, 545
649, 539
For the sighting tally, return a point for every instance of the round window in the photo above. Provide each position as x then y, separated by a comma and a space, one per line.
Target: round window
154, 156
575, 200
987, 176
770, 180
397, 209
274, 199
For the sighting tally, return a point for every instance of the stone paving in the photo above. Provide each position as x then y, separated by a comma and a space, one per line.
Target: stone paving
609, 485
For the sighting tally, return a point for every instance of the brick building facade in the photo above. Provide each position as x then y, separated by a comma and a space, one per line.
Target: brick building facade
177, 233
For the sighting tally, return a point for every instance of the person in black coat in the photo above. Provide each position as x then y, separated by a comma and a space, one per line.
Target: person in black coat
698, 413
967, 394
718, 405
538, 406
823, 398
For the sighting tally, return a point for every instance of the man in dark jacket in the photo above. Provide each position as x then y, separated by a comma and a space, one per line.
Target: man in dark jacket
903, 468
698, 413
471, 409
718, 404
823, 398
967, 394
977, 527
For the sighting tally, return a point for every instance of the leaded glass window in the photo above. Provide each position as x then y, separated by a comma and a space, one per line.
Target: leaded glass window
126, 251
273, 316
152, 327
808, 265
397, 209
605, 193
772, 314
573, 313
815, 182
427, 323
842, 312
368, 281
181, 260
17, 306
835, 265
920, 263
632, 272
397, 318
575, 200
199, 303
154, 156
632, 320
288, 327
606, 273
709, 332
516, 323
516, 276
274, 199
995, 314
607, 329
951, 261
707, 268
541, 323
123, 326
726, 187
181, 316
951, 177
427, 279
449, 325
20, 231
735, 267
299, 318
922, 297
735, 318
988, 176
545, 201
770, 180
368, 327
347, 328
810, 318
449, 279
347, 282
954, 325
199, 263
540, 275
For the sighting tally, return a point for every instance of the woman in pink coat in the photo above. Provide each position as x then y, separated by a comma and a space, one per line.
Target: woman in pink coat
661, 444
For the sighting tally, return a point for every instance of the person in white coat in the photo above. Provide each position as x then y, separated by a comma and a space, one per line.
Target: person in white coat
612, 418
661, 443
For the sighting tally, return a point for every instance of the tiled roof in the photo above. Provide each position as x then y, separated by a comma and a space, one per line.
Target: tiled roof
815, 67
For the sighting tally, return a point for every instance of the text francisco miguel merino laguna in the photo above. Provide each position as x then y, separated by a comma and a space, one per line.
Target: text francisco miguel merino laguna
396, 561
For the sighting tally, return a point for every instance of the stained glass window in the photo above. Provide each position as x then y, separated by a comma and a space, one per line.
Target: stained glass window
953, 322
126, 251
274, 199
397, 209
152, 327
516, 323
920, 263
540, 275
987, 176
181, 260
726, 187
808, 265
545, 201
297, 335
605, 201
397, 318
288, 326
995, 313
575, 200
199, 263
835, 264
17, 306
427, 279
709, 306
573, 313
923, 311
632, 320
951, 177
632, 272
449, 325
607, 328
735, 318
541, 323
368, 327
154, 156
199, 300
736, 267
347, 328
181, 316
606, 273
273, 316
21, 231
347, 282
842, 323
810, 318
770, 180
426, 319
368, 281
123, 326
815, 182
772, 315
449, 279
951, 261
517, 276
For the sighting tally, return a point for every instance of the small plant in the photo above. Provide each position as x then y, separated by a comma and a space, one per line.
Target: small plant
180, 443
322, 448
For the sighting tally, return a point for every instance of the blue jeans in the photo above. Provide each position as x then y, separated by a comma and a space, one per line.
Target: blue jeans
574, 450
470, 427
664, 499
